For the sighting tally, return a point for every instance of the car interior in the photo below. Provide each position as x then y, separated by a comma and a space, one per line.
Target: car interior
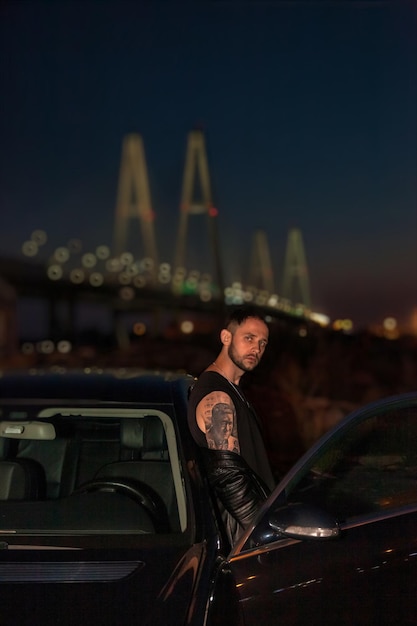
90, 470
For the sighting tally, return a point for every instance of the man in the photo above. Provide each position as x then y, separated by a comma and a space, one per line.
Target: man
226, 427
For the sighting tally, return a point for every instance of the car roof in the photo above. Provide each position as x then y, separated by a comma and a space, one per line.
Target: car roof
112, 385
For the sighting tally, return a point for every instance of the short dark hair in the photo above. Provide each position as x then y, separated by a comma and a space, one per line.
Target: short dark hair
240, 314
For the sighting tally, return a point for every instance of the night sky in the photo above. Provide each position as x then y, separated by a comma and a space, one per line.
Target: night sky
308, 108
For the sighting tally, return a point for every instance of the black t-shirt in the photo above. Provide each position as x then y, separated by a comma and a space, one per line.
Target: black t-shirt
249, 429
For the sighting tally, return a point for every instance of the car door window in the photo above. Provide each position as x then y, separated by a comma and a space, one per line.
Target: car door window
366, 467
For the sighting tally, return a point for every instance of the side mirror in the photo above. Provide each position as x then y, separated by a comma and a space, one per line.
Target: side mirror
303, 521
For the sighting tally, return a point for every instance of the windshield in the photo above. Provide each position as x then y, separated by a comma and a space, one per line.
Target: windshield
61, 468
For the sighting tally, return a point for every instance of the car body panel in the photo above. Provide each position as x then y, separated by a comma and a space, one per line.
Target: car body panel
104, 586
368, 574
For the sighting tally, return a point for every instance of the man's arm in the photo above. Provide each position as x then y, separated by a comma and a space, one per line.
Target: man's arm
237, 487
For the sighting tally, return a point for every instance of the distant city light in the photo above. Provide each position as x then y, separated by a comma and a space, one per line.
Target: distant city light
164, 279
139, 329
180, 273
64, 347
205, 295
262, 298
39, 237
345, 325
126, 258
187, 327
390, 328
285, 305
164, 275
28, 348
96, 279
54, 272
124, 278
299, 310
45, 347
390, 323
61, 254
147, 263
89, 260
102, 252
30, 248
113, 265
320, 318
77, 276
139, 281
177, 282
132, 270
191, 282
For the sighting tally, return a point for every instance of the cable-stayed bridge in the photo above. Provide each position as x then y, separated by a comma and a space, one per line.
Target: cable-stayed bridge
122, 280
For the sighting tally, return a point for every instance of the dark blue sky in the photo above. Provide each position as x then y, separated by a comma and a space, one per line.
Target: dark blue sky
309, 110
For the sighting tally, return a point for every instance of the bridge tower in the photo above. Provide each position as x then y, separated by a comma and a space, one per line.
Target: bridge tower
296, 282
260, 273
196, 200
134, 201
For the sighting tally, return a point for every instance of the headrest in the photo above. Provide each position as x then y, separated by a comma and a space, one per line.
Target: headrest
131, 433
146, 435
22, 479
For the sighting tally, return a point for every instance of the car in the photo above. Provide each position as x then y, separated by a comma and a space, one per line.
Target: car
106, 516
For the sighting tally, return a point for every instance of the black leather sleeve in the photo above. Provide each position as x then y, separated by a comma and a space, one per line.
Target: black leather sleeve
236, 486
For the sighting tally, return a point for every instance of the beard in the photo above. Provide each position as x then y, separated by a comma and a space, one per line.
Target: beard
239, 361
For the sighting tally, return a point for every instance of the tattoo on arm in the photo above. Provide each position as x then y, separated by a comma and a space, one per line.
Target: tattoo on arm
218, 415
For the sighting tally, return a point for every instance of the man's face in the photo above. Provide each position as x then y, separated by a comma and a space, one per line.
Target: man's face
248, 344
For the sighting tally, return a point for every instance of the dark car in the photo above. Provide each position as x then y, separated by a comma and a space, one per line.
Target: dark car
106, 517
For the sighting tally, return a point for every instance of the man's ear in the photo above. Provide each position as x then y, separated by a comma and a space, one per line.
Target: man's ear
225, 336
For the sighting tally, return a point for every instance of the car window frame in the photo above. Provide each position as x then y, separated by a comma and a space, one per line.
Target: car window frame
278, 497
